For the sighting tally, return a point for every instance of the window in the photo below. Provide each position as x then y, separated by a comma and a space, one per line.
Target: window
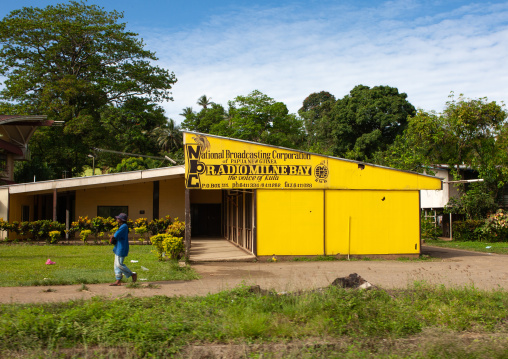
111, 211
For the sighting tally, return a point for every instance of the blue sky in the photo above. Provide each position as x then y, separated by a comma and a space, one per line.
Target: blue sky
289, 49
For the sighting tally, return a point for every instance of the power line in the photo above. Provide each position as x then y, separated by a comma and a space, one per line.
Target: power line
135, 155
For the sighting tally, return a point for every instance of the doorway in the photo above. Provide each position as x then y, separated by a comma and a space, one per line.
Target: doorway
206, 219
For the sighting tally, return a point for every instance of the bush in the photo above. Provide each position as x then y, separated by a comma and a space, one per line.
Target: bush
41, 230
476, 203
97, 226
176, 229
468, 230
495, 227
428, 229
158, 226
84, 234
54, 236
166, 244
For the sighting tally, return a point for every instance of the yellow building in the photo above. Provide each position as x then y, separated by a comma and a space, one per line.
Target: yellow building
277, 201
267, 200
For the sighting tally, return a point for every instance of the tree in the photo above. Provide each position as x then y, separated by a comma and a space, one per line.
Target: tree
70, 61
135, 164
471, 133
204, 101
168, 137
204, 120
257, 117
419, 147
315, 112
368, 120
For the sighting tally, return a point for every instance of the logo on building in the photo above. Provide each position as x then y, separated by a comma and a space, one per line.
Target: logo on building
321, 172
195, 166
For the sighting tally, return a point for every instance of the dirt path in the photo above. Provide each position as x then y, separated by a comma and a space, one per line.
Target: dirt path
452, 268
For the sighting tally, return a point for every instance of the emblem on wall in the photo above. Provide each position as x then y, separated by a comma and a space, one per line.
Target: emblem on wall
321, 172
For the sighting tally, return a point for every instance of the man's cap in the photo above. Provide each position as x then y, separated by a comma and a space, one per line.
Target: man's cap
122, 217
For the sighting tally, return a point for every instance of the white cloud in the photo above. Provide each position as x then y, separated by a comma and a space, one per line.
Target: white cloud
288, 53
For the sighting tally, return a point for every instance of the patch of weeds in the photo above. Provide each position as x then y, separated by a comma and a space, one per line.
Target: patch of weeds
152, 286
315, 259
86, 281
134, 285
83, 288
49, 290
45, 281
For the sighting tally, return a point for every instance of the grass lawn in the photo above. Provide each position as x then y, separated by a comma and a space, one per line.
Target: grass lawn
25, 265
419, 322
496, 247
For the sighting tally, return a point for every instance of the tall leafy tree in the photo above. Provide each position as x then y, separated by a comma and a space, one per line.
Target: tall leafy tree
470, 132
368, 120
255, 117
70, 61
315, 112
258, 117
204, 120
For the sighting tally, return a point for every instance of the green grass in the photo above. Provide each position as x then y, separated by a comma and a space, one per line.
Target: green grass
496, 247
24, 265
355, 323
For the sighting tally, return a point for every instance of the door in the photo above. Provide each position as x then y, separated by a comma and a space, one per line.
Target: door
206, 219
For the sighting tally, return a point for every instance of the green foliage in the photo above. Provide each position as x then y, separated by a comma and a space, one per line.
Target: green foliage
428, 229
468, 230
167, 245
176, 229
28, 171
495, 227
315, 112
368, 120
173, 247
471, 133
476, 203
135, 164
54, 236
255, 117
161, 326
84, 234
159, 225
485, 247
36, 230
70, 62
415, 149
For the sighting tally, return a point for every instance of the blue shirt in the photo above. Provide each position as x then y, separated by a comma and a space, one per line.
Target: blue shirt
121, 248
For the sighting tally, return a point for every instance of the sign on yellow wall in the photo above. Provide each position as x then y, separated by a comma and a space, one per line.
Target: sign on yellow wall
214, 162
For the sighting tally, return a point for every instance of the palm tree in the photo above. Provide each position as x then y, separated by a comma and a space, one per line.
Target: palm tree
186, 112
168, 137
204, 101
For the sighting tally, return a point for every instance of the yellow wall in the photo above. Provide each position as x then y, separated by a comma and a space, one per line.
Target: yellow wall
137, 197
4, 204
172, 198
214, 162
372, 222
290, 222
16, 203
